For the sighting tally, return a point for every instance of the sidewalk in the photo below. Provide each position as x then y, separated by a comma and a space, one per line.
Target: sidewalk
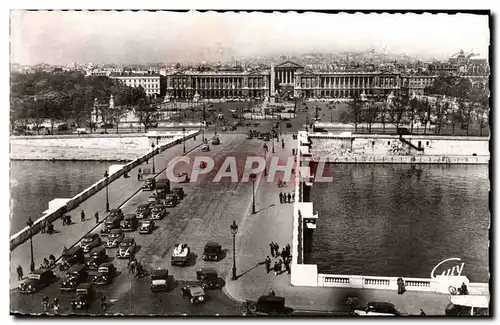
274, 222
120, 191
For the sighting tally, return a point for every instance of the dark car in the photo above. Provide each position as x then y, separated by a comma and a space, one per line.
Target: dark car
212, 251
147, 226
90, 241
85, 294
170, 201
76, 274
159, 280
289, 125
127, 248
37, 280
158, 212
105, 274
266, 305
143, 211
116, 213
97, 256
129, 223
377, 309
179, 192
72, 256
216, 141
115, 238
110, 224
208, 277
149, 184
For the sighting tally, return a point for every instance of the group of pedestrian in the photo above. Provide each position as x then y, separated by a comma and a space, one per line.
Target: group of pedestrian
47, 227
287, 197
66, 220
48, 263
284, 260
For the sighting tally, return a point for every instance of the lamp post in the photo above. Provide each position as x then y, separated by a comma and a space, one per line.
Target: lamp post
32, 263
184, 139
234, 231
153, 148
106, 174
253, 176
273, 143
203, 126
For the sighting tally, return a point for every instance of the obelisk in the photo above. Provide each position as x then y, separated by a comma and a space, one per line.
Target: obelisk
272, 92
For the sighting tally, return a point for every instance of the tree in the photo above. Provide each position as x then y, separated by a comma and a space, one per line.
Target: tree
354, 113
383, 109
412, 111
147, 114
465, 110
440, 112
397, 110
424, 113
370, 113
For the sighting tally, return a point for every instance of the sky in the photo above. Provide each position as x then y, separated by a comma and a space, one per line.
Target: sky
145, 37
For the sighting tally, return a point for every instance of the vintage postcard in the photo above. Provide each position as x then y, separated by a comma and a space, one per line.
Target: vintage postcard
249, 163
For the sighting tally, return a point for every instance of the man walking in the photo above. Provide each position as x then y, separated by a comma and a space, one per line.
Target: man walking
268, 264
20, 272
277, 248
96, 216
82, 216
281, 197
276, 268
282, 144
287, 265
271, 247
289, 198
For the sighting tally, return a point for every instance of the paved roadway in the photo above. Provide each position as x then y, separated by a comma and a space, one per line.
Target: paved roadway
204, 215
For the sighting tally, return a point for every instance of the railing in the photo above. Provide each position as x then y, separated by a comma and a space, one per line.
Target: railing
376, 282
328, 156
24, 234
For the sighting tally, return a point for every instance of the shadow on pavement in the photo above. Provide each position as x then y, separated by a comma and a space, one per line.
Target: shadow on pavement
250, 269
263, 209
223, 254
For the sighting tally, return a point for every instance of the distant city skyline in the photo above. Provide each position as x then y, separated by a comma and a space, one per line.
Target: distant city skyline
145, 37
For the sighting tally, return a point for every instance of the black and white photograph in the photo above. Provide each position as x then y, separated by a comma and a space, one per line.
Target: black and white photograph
250, 163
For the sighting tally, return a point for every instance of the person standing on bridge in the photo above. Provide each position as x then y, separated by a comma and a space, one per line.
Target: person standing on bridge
20, 272
82, 216
96, 216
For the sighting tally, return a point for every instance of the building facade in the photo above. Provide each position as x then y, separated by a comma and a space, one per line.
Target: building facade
305, 83
150, 82
414, 85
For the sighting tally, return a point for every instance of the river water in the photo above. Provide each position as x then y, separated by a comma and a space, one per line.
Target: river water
402, 220
35, 183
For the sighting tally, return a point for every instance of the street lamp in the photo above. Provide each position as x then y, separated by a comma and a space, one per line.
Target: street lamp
184, 138
106, 174
153, 148
253, 176
30, 224
273, 143
234, 231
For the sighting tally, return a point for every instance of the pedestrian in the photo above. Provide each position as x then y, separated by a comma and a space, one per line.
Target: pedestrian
96, 216
82, 216
50, 228
43, 227
283, 252
103, 303
463, 289
293, 151
52, 260
277, 248
45, 262
64, 250
56, 305
422, 312
401, 286
282, 144
272, 293
64, 220
276, 268
281, 197
45, 303
289, 196
293, 196
287, 265
69, 219
271, 247
20, 272
268, 264
288, 250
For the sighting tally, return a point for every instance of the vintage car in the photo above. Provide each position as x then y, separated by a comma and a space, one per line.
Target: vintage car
208, 278
216, 141
110, 224
212, 251
160, 280
266, 306
265, 138
90, 241
468, 305
127, 248
289, 125
179, 192
147, 226
170, 201
85, 294
116, 213
149, 184
180, 256
158, 212
37, 280
143, 211
97, 256
163, 185
72, 256
129, 223
196, 295
181, 178
377, 309
115, 238
105, 274
205, 147
76, 274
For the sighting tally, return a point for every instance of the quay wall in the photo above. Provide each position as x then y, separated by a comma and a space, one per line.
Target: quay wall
374, 148
307, 274
24, 234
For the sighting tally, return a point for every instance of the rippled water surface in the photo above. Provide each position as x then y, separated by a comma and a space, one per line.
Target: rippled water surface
35, 183
400, 220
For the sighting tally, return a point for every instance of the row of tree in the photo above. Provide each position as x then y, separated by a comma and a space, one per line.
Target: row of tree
68, 97
469, 106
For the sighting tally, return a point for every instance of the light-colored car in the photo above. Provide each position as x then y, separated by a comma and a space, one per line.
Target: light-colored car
159, 212
205, 148
147, 226
127, 248
115, 237
377, 309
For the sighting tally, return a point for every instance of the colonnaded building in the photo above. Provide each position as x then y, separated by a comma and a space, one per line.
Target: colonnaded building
302, 82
